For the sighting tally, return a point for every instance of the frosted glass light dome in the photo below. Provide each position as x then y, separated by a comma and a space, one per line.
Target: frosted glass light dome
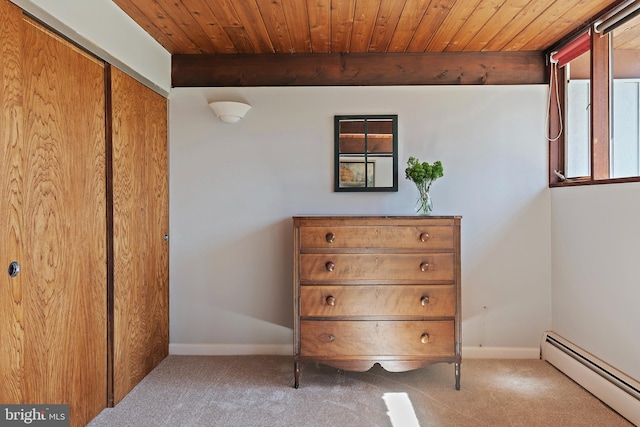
229, 111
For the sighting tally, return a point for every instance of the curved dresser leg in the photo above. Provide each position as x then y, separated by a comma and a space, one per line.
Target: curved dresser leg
296, 374
457, 368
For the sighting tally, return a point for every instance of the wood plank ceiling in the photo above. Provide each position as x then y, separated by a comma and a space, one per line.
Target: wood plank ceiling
295, 27
356, 26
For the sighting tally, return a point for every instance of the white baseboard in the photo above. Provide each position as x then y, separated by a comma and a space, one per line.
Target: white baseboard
287, 350
231, 349
619, 391
501, 352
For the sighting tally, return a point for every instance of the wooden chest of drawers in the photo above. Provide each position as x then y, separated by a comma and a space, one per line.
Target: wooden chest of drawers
377, 289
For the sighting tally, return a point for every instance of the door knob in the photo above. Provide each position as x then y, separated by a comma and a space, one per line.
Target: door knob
14, 269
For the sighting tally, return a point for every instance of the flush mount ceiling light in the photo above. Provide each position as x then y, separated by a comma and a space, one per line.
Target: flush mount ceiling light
229, 111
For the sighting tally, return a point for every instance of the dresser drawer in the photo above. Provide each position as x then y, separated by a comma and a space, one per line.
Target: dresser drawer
377, 268
404, 300
427, 237
376, 338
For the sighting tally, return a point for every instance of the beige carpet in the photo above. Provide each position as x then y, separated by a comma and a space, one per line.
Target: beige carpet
246, 391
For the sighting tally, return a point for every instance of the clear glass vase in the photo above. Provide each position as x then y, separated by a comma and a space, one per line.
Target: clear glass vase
424, 204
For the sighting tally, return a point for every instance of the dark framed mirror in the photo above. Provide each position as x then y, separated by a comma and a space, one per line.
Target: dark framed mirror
366, 153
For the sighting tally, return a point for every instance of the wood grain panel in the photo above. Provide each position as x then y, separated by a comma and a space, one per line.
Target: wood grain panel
374, 269
140, 221
555, 134
323, 26
240, 39
223, 13
320, 25
368, 221
478, 18
180, 15
362, 301
530, 12
412, 14
11, 196
276, 25
65, 211
376, 338
253, 24
296, 22
455, 19
201, 17
434, 17
551, 14
626, 36
168, 26
496, 24
583, 12
600, 108
341, 24
450, 68
364, 19
424, 238
385, 25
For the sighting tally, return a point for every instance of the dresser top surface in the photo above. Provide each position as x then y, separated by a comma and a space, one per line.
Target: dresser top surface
377, 217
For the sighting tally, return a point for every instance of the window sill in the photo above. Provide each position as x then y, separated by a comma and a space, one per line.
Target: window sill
574, 182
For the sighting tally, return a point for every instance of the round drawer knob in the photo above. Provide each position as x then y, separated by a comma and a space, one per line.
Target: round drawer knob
424, 266
330, 266
331, 338
424, 237
424, 338
330, 237
331, 300
424, 301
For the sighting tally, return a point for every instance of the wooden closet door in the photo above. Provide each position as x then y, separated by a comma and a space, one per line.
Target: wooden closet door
64, 209
11, 224
140, 222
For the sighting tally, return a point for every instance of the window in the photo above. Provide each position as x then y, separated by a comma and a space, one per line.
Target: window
578, 111
594, 110
625, 106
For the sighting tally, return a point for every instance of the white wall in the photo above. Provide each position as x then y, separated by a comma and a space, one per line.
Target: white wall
104, 29
596, 270
234, 188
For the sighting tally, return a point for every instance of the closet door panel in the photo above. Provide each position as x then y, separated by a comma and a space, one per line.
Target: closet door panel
11, 176
140, 222
65, 225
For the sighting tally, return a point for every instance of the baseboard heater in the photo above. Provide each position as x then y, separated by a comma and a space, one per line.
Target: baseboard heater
619, 391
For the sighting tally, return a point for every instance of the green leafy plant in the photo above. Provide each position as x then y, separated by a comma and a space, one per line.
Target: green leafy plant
423, 175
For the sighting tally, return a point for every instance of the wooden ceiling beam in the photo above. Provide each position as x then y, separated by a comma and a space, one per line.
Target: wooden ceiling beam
358, 69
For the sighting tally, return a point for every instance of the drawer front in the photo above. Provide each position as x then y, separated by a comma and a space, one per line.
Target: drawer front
380, 339
377, 268
424, 237
338, 301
